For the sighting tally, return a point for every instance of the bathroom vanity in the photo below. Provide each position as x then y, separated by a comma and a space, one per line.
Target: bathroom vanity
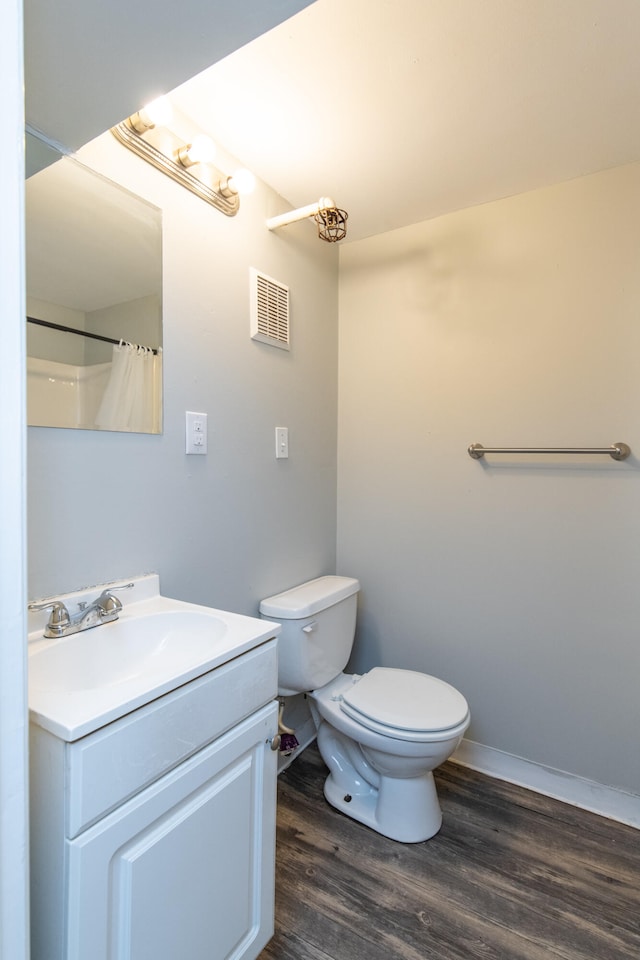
153, 824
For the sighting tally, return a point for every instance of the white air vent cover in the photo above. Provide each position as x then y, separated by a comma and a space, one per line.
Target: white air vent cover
269, 310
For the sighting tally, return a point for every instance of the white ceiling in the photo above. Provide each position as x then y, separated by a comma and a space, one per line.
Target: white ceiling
402, 110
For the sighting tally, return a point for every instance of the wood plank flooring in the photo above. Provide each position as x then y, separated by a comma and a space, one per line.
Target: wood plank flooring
512, 875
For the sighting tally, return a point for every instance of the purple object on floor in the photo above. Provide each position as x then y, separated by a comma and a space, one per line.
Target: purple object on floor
288, 742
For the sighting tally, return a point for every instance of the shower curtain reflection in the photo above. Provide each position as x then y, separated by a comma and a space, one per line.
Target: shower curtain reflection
132, 397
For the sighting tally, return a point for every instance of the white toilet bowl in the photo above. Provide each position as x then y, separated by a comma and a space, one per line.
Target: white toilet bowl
381, 734
381, 774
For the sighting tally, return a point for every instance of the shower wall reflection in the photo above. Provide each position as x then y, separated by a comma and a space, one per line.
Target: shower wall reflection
94, 267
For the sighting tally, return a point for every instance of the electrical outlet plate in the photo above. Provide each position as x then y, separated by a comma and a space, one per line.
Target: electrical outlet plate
196, 432
282, 443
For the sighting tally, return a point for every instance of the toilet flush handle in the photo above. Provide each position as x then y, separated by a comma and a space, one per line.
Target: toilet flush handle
310, 627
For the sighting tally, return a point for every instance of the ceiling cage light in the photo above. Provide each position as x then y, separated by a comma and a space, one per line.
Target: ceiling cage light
331, 220
188, 162
332, 224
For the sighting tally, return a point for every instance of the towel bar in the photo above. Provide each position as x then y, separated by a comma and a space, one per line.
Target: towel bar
617, 451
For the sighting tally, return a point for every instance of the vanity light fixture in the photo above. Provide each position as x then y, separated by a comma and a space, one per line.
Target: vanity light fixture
188, 160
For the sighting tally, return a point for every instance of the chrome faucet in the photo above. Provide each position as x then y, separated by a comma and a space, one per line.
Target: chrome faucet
61, 624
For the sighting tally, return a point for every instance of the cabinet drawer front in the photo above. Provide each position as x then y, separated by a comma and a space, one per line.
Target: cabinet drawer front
109, 766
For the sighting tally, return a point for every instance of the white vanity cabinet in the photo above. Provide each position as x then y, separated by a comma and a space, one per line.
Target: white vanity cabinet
153, 838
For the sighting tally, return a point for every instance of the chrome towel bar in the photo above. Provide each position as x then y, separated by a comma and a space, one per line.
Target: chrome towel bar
617, 451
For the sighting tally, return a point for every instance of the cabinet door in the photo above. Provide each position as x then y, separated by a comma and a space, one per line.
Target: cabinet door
186, 868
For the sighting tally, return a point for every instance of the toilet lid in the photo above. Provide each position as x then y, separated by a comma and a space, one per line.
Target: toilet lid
404, 700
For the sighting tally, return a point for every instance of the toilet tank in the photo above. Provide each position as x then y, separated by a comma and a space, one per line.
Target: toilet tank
318, 620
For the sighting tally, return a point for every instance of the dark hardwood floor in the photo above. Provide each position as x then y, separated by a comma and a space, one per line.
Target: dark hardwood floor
511, 875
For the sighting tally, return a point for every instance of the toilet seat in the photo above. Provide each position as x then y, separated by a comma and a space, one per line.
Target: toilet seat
404, 704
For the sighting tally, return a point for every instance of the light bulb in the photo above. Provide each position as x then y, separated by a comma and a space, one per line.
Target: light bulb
242, 181
156, 113
202, 150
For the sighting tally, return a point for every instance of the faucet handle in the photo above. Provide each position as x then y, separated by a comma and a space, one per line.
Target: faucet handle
59, 618
108, 602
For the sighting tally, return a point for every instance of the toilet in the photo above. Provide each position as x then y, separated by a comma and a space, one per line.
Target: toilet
380, 734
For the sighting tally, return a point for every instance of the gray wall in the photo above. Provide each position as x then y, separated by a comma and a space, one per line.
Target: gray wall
512, 323
236, 525
509, 324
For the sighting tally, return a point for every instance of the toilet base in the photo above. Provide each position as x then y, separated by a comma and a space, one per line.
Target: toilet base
419, 823
404, 809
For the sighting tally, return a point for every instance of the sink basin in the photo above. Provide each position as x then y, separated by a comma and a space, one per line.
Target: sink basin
81, 682
124, 651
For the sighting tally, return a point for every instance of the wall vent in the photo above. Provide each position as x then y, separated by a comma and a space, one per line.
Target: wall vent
269, 310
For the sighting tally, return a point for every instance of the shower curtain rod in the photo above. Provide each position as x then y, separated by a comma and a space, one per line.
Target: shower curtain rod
80, 333
617, 451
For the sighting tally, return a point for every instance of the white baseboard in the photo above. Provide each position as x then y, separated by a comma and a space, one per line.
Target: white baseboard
586, 794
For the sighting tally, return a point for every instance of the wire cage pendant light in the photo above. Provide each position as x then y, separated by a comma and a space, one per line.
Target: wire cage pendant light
331, 220
332, 224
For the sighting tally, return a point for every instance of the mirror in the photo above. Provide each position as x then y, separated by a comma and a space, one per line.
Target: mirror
94, 303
